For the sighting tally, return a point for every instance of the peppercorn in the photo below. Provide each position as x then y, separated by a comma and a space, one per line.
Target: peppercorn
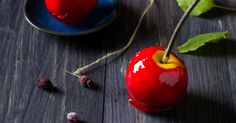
86, 81
44, 83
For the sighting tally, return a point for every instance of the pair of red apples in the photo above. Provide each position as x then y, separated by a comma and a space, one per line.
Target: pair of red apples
152, 86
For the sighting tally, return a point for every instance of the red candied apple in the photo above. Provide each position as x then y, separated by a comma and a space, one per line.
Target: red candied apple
154, 86
70, 11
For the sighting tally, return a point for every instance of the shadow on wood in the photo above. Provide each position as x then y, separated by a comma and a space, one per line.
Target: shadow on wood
200, 109
217, 13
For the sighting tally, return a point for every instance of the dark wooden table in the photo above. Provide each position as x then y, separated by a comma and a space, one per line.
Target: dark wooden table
27, 54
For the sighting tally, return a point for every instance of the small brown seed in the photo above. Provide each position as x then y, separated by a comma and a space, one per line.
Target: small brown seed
44, 83
86, 81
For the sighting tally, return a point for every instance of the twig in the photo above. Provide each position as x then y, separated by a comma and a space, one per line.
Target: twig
99, 61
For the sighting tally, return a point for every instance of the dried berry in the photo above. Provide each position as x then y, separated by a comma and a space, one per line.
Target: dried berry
86, 81
73, 117
44, 83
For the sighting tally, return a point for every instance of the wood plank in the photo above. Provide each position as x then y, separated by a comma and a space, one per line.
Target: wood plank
228, 24
117, 109
28, 54
209, 97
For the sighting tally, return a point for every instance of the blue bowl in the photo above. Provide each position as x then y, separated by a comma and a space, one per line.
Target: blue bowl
37, 15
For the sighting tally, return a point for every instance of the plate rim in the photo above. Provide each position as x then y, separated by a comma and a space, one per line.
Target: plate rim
72, 34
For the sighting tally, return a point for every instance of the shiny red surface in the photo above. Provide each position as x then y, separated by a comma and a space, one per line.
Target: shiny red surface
151, 88
70, 11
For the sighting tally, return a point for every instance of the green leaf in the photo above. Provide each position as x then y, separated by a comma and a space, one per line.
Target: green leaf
200, 40
201, 7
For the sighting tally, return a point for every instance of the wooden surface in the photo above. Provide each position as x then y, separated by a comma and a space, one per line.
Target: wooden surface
27, 54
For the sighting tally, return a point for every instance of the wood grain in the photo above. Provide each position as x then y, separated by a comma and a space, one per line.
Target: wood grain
27, 54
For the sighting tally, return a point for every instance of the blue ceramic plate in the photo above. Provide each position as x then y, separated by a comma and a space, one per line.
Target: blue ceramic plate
37, 15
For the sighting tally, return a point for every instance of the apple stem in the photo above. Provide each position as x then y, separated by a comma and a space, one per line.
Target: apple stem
177, 28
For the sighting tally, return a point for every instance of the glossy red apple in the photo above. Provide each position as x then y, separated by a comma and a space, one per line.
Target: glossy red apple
154, 86
70, 11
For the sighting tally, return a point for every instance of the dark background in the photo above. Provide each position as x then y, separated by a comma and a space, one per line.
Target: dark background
26, 54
